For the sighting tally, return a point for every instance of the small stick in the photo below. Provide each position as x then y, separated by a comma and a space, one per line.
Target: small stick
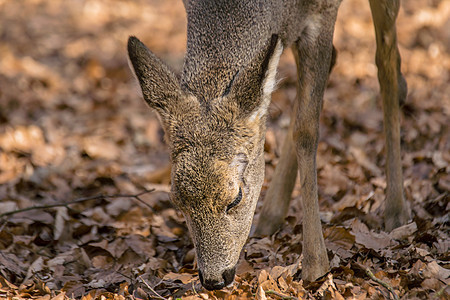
79, 200
193, 288
379, 281
158, 296
385, 284
284, 297
143, 202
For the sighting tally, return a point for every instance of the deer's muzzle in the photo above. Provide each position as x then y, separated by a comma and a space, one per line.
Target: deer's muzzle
217, 284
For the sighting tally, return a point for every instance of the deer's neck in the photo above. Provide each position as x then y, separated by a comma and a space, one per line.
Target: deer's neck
222, 38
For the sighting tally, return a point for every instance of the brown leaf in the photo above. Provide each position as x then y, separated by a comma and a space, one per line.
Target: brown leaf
277, 271
432, 284
29, 217
329, 288
242, 267
44, 155
161, 175
334, 179
434, 270
360, 156
270, 284
102, 261
340, 236
97, 147
11, 167
263, 276
282, 284
403, 231
418, 267
60, 220
60, 296
141, 245
74, 288
35, 267
6, 284
370, 239
183, 277
22, 138
260, 294
68, 103
349, 200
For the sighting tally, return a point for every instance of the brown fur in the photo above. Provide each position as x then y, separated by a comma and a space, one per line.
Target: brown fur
214, 119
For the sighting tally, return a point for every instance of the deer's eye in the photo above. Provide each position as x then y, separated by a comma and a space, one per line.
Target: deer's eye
236, 200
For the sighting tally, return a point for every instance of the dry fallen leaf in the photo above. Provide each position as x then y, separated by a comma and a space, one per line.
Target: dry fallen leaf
60, 220
403, 231
184, 278
260, 294
370, 239
73, 124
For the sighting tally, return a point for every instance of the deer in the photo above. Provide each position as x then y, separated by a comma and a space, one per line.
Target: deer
214, 118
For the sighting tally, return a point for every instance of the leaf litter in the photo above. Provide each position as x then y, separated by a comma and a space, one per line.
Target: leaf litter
73, 126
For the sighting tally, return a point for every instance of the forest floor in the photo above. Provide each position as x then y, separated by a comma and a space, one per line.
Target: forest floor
78, 141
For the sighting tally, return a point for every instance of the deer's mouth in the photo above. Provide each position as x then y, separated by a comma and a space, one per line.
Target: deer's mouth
217, 284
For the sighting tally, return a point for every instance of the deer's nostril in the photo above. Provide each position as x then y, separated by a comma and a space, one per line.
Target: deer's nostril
213, 285
228, 278
210, 284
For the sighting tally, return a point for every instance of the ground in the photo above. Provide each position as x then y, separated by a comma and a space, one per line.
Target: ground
77, 140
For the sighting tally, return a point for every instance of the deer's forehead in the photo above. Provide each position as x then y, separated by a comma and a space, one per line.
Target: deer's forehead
204, 160
198, 178
207, 138
206, 167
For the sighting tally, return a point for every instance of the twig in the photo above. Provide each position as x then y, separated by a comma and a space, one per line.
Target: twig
193, 288
284, 297
379, 281
79, 200
158, 296
3, 226
385, 284
440, 293
143, 202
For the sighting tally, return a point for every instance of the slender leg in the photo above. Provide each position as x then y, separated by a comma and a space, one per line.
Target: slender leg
393, 91
313, 53
278, 196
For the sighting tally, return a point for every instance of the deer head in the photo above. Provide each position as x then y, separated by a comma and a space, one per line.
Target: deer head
216, 149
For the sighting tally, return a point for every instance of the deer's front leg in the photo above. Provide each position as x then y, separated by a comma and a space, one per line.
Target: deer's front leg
313, 55
393, 90
278, 196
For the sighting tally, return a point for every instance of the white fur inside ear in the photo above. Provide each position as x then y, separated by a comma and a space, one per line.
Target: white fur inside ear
269, 82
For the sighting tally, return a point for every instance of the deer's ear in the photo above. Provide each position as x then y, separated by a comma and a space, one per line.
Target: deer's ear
254, 84
159, 84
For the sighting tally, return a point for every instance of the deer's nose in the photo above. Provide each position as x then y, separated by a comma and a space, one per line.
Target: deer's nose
214, 284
